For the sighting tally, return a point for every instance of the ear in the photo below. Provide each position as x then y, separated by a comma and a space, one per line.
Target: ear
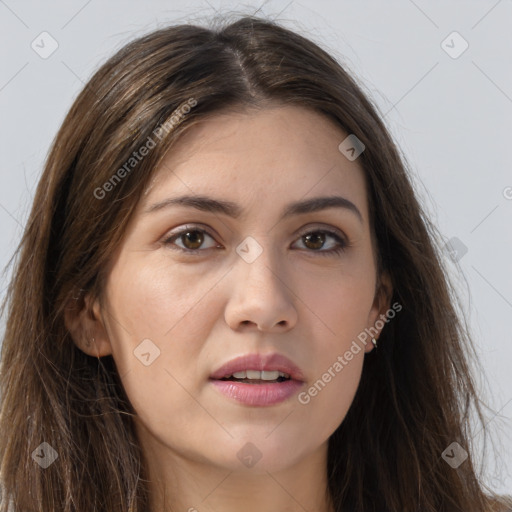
84, 321
381, 304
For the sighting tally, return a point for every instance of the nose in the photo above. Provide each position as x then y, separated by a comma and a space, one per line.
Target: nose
262, 297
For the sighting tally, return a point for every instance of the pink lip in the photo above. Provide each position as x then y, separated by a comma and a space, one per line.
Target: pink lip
259, 394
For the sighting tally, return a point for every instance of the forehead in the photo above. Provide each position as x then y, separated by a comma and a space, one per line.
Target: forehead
265, 157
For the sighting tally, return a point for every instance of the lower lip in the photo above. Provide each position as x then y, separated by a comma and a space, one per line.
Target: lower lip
258, 394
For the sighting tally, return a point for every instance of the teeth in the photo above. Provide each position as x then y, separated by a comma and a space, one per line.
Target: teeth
257, 375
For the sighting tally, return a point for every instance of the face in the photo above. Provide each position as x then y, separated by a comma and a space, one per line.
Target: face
191, 289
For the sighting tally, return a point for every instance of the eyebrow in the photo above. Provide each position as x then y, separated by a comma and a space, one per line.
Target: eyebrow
234, 210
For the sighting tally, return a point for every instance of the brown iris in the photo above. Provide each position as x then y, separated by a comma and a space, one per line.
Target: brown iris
318, 238
195, 238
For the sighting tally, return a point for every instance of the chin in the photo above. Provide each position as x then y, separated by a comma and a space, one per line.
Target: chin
257, 454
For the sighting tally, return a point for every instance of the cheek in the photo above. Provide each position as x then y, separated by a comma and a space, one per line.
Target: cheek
339, 307
158, 321
329, 396
339, 311
154, 299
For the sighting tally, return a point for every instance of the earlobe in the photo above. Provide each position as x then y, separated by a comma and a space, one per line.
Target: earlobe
84, 322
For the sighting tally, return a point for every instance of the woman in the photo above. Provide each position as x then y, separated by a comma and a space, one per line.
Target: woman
223, 235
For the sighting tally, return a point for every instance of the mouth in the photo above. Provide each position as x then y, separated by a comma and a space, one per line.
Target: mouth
259, 368
257, 377
258, 380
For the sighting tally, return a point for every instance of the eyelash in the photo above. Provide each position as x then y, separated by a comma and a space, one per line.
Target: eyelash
342, 243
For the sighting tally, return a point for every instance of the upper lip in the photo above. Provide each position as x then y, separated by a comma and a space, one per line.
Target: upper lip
261, 362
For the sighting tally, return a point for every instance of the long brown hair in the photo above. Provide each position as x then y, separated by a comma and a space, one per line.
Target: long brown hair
416, 391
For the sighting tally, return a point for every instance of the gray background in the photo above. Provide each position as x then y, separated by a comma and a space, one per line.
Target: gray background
451, 117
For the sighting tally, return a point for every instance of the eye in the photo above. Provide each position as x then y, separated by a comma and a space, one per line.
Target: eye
315, 240
193, 237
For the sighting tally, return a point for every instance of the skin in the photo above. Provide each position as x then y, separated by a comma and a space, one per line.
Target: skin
203, 310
